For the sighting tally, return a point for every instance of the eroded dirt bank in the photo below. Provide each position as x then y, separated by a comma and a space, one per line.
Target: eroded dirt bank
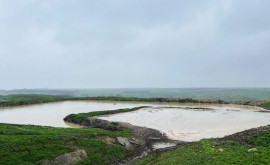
143, 140
141, 143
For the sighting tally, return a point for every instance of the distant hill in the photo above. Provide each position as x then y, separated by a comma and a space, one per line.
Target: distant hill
226, 94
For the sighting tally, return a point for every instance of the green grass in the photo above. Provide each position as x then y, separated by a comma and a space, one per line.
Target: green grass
206, 152
83, 117
16, 100
138, 99
226, 94
266, 105
25, 144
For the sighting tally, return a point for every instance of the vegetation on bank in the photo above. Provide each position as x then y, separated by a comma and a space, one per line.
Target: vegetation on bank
16, 100
242, 150
226, 94
266, 105
25, 144
83, 117
138, 99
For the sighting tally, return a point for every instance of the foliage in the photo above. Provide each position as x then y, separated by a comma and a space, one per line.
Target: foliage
15, 100
210, 151
226, 94
82, 117
25, 144
266, 105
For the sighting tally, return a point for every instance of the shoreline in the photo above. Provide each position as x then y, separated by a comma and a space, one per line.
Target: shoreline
146, 137
42, 99
140, 142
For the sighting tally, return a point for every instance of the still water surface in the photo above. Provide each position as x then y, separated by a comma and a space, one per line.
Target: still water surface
52, 114
177, 121
195, 124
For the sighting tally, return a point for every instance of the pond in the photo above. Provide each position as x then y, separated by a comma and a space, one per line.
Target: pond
52, 114
191, 123
186, 122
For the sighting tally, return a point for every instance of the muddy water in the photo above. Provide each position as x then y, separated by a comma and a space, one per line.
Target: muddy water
187, 124
52, 114
177, 121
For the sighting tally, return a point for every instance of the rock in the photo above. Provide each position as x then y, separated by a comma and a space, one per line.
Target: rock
154, 138
124, 142
94, 122
252, 149
135, 141
108, 140
68, 158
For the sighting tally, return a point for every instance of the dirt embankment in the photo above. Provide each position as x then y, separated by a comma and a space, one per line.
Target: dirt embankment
140, 143
241, 137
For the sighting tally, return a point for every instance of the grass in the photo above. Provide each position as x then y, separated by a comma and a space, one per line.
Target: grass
83, 117
25, 144
154, 99
266, 105
207, 152
227, 94
26, 99
16, 100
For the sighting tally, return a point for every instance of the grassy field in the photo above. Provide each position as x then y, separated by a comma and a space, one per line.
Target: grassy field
251, 150
25, 144
15, 100
26, 99
226, 94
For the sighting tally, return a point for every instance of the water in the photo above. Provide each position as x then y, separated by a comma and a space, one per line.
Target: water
175, 120
195, 124
52, 114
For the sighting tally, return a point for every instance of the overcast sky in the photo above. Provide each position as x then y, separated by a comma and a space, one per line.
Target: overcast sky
134, 43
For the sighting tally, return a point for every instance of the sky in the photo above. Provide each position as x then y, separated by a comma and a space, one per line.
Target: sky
134, 43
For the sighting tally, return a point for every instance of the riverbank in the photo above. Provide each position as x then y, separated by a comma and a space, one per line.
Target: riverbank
17, 100
116, 143
140, 143
238, 145
247, 147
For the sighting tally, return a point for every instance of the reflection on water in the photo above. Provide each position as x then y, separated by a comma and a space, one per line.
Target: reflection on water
52, 114
187, 122
181, 123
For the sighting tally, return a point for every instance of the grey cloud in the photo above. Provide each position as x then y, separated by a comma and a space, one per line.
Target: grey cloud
127, 43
